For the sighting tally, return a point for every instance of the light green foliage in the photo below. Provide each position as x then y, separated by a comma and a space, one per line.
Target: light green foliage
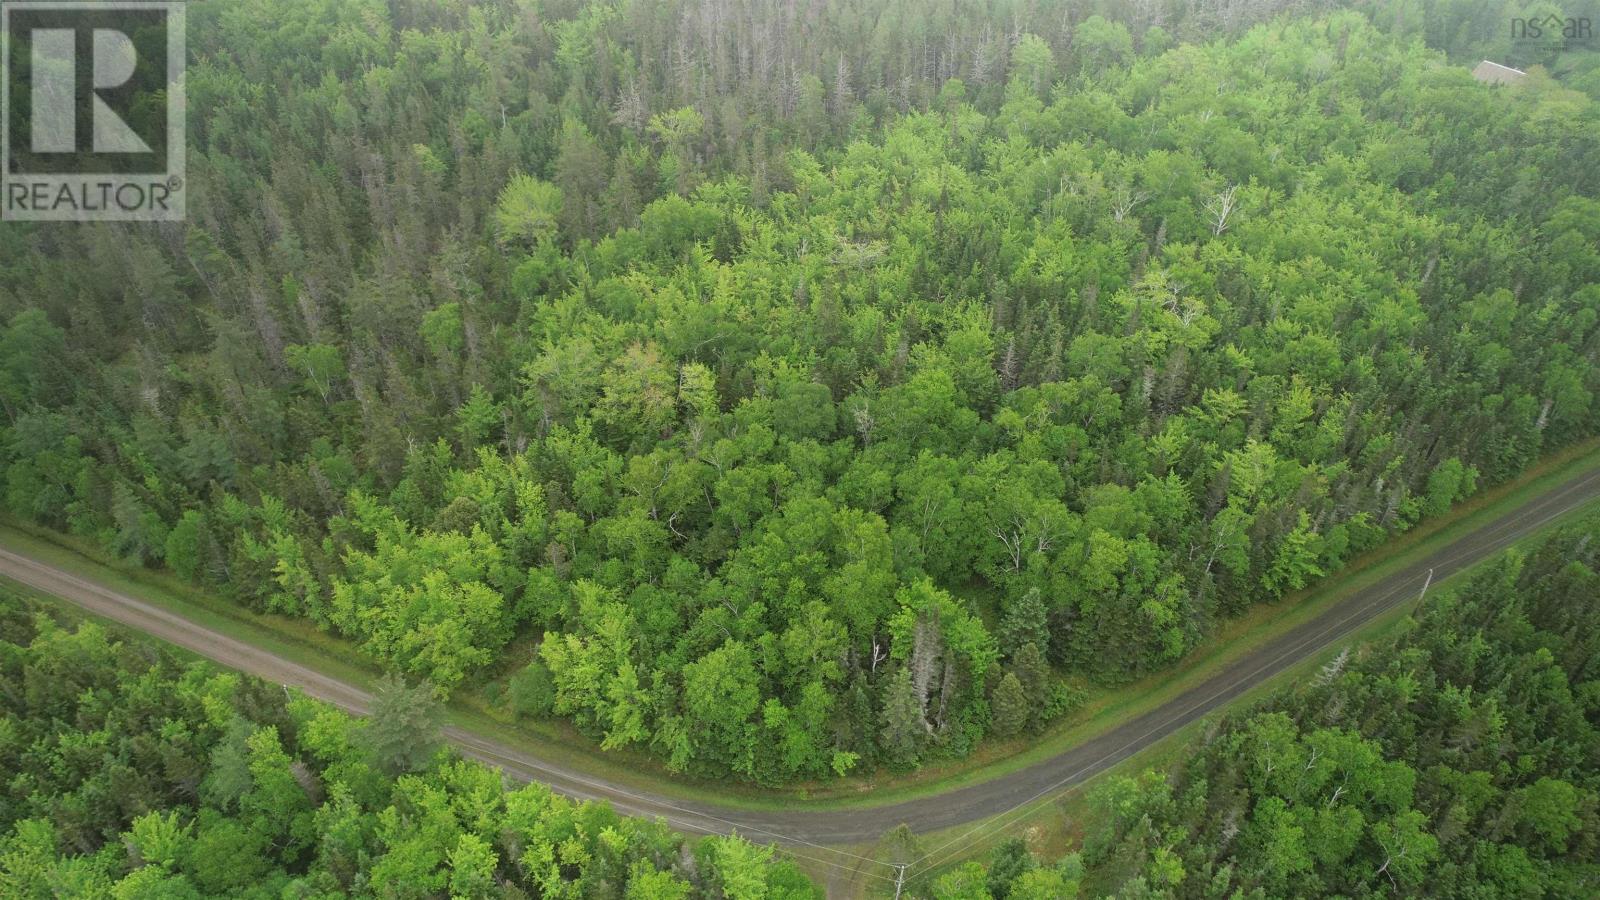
526, 214
1449, 482
1060, 882
1549, 809
741, 867
32, 350
646, 883
105, 804
721, 695
428, 601
442, 329
1032, 64
320, 365
1386, 775
780, 394
158, 839
966, 882
472, 869
1099, 44
929, 614
183, 545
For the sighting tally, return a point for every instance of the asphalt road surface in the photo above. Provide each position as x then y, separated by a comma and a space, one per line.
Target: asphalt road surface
809, 832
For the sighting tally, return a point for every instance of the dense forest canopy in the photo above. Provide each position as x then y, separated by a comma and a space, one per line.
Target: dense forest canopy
815, 386
1460, 758
131, 774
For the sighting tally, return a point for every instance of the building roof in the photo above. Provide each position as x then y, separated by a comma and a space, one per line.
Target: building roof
1494, 73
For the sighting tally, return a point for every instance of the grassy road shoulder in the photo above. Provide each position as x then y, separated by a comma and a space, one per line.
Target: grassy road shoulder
1054, 826
300, 642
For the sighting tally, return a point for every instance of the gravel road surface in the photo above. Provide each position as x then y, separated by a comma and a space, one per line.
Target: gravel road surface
809, 832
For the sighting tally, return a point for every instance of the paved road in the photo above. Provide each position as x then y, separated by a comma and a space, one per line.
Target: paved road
805, 831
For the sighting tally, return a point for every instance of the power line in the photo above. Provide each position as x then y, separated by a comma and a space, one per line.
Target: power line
968, 839
850, 870
1510, 525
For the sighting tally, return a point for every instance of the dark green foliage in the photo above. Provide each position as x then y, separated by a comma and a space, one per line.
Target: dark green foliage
726, 371
532, 691
904, 729
1025, 622
1010, 710
403, 731
1459, 759
1009, 861
130, 774
1033, 677
900, 846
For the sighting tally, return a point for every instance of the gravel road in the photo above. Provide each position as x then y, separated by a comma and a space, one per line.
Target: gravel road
809, 832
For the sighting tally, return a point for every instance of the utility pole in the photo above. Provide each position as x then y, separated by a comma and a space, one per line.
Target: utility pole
899, 879
1425, 584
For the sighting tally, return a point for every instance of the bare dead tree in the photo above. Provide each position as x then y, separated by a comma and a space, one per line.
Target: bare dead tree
1008, 365
865, 423
630, 111
1221, 207
1126, 201
927, 658
1333, 668
843, 94
985, 57
1389, 858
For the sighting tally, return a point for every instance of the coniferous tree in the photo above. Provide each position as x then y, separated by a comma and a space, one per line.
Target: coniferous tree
1024, 622
905, 731
1033, 675
403, 732
656, 339
1010, 707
